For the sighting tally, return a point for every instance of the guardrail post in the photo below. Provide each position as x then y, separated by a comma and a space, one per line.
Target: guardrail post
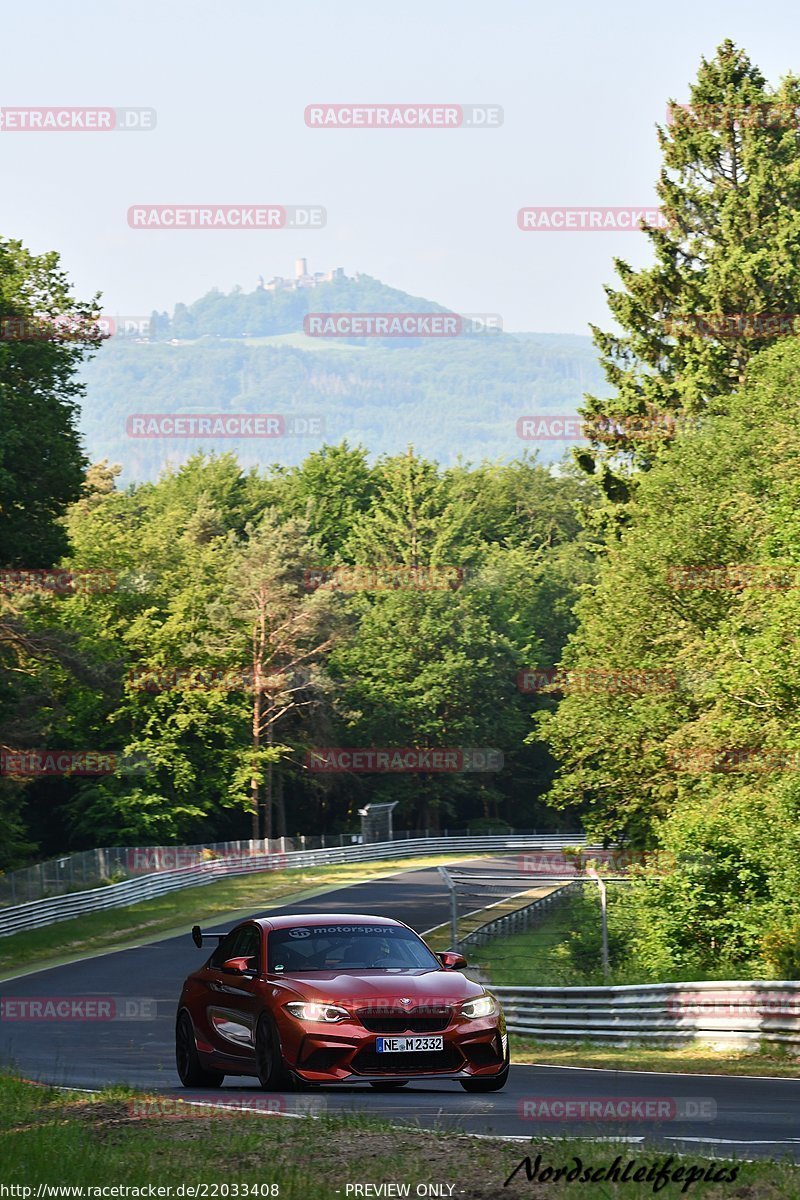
445, 874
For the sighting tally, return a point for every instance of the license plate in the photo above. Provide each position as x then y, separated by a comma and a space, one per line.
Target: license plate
408, 1045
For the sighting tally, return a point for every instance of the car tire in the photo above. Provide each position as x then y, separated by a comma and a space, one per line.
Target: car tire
490, 1083
388, 1085
191, 1071
270, 1067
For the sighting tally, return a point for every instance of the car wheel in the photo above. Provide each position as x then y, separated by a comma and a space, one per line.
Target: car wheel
270, 1067
490, 1083
191, 1071
388, 1085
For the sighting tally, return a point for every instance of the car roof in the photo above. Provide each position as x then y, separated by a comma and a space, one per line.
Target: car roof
309, 919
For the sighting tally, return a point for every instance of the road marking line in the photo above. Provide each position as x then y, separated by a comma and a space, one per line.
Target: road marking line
663, 1074
718, 1141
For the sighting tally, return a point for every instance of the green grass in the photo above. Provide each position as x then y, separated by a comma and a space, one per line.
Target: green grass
693, 1059
62, 1138
229, 899
534, 958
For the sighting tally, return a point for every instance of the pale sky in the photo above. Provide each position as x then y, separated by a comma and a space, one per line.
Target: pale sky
430, 211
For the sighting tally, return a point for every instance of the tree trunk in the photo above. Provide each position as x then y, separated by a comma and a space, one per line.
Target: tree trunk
268, 788
280, 807
254, 786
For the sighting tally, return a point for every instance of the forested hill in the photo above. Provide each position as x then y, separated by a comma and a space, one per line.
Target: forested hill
265, 313
247, 353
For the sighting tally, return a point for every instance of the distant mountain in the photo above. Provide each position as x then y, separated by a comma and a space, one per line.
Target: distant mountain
246, 353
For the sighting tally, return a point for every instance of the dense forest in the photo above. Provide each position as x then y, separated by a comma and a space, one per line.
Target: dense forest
198, 597
222, 623
456, 397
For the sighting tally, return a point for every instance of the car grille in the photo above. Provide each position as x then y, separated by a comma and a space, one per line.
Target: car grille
398, 1020
369, 1062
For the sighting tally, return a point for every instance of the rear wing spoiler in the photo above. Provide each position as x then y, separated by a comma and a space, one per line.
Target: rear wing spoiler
198, 937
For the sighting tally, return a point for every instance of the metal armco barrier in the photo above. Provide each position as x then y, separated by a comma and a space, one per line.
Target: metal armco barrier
116, 895
727, 1015
520, 919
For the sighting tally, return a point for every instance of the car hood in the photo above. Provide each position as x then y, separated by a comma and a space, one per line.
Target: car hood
407, 988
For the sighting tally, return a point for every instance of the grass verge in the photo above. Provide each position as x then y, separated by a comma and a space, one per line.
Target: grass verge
233, 898
48, 1137
535, 958
439, 938
693, 1060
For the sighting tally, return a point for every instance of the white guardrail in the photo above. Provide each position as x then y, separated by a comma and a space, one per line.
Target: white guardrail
726, 1014
37, 913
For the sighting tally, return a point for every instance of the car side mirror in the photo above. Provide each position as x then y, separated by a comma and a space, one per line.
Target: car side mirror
451, 961
237, 966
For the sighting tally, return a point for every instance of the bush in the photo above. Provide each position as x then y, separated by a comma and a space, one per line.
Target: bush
781, 950
585, 941
489, 825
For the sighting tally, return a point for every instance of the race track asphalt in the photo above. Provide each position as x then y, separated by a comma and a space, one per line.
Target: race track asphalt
724, 1115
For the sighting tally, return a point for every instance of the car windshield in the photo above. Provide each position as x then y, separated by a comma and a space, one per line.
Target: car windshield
347, 948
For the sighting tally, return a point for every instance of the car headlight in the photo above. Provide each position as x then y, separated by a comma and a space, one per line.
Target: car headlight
329, 1013
483, 1006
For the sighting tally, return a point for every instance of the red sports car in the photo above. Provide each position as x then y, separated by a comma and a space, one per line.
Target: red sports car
336, 999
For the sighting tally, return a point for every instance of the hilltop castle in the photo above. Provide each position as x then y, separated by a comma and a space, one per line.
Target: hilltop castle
301, 279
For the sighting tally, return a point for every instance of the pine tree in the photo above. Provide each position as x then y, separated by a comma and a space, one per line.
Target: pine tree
730, 244
414, 520
45, 335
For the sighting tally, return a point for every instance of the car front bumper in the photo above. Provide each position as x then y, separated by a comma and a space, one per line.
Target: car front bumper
348, 1055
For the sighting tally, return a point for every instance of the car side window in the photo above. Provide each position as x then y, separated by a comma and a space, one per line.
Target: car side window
249, 946
224, 950
244, 942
